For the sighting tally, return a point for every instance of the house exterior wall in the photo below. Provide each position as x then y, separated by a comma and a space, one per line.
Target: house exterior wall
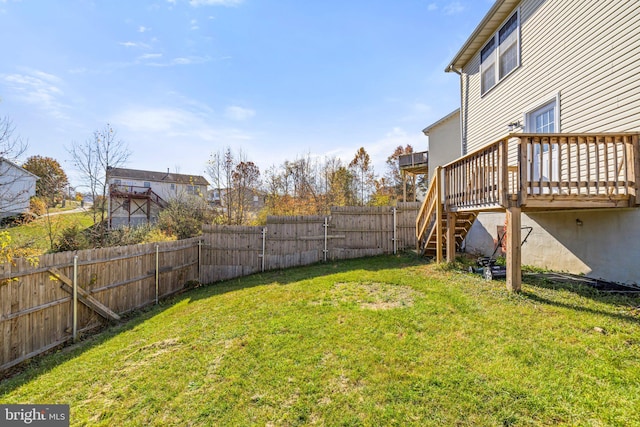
589, 242
586, 57
119, 215
444, 142
17, 186
585, 54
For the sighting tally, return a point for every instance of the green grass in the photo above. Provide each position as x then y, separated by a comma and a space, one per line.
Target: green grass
379, 341
35, 235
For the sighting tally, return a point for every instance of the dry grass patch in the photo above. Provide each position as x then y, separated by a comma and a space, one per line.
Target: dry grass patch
370, 295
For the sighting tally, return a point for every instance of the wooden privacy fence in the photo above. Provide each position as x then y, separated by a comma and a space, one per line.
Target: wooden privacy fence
36, 301
37, 304
349, 232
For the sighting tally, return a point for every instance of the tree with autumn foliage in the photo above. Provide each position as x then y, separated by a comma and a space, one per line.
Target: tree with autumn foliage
393, 177
53, 180
245, 180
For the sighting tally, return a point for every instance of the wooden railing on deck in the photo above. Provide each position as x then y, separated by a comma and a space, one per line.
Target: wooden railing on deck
592, 168
479, 179
429, 219
546, 171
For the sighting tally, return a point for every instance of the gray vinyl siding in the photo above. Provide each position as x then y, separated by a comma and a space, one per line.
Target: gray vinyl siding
586, 51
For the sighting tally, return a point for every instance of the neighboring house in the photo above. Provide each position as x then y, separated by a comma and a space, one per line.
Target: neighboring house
550, 117
444, 140
136, 196
17, 186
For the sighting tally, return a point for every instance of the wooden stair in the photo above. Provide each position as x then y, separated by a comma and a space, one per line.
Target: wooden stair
432, 217
464, 221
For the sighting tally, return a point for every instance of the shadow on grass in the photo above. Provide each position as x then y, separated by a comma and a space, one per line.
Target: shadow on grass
629, 301
312, 271
40, 365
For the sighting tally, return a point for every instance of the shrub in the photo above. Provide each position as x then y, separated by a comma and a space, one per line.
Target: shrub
185, 216
71, 238
38, 206
124, 236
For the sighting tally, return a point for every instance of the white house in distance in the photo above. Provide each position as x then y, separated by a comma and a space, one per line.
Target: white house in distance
444, 140
549, 121
137, 196
17, 187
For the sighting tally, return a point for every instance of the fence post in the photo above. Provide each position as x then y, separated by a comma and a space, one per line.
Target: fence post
75, 298
157, 271
395, 235
199, 260
264, 244
325, 250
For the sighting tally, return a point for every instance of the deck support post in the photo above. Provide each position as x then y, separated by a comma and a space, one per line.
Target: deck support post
451, 236
514, 252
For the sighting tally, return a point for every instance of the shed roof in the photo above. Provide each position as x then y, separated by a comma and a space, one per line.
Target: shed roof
485, 29
20, 168
167, 176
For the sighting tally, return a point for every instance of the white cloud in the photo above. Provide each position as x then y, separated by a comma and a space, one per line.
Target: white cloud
196, 3
39, 89
194, 24
143, 29
238, 113
432, 7
135, 45
151, 56
453, 8
153, 60
183, 137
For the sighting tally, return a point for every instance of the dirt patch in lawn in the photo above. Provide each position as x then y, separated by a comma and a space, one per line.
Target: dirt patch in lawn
373, 295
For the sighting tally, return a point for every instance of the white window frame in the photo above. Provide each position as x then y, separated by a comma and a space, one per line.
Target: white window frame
494, 58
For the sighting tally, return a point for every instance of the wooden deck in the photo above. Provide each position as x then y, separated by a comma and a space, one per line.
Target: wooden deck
546, 171
530, 172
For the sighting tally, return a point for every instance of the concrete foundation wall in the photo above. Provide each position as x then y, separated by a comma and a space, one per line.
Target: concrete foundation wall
602, 244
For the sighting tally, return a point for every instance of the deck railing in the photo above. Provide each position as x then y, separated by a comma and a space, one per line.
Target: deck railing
587, 167
546, 170
413, 159
479, 179
431, 214
137, 191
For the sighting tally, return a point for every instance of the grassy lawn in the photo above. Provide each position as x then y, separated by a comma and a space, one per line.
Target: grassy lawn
35, 235
379, 341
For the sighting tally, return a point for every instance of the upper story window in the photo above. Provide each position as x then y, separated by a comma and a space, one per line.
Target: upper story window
147, 184
501, 54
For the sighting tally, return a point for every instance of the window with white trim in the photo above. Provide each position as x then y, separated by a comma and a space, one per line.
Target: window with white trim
501, 54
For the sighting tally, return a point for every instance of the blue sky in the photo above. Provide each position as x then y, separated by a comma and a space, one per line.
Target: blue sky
278, 79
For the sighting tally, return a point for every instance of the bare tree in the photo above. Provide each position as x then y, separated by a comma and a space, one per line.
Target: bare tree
11, 147
363, 171
12, 193
93, 159
220, 169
